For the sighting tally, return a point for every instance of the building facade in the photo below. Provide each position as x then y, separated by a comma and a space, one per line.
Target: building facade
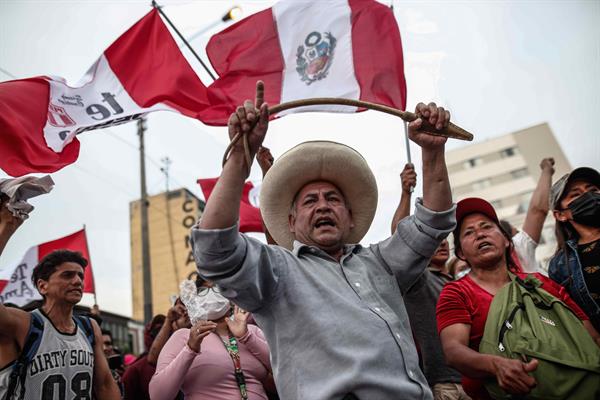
170, 216
505, 170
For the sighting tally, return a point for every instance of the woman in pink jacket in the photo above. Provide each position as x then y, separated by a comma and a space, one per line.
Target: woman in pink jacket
219, 358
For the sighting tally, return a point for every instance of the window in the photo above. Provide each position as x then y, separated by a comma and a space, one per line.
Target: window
509, 152
519, 173
482, 184
524, 203
473, 162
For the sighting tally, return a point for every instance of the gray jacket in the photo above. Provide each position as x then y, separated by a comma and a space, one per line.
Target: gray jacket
333, 328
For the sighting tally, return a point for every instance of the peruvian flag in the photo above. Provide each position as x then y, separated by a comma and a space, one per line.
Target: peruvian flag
141, 72
304, 49
15, 281
250, 219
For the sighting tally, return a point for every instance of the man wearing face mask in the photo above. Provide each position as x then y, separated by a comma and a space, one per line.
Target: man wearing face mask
575, 199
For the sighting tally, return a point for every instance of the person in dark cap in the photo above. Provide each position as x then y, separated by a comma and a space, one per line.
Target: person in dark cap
575, 200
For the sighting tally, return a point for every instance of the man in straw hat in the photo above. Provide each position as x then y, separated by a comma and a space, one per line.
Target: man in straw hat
331, 309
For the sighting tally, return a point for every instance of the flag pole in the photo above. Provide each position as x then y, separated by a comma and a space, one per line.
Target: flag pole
90, 256
159, 8
408, 158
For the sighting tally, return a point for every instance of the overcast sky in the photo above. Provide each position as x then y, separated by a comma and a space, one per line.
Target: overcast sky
498, 66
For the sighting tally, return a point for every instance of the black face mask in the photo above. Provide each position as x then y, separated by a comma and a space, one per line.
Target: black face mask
586, 209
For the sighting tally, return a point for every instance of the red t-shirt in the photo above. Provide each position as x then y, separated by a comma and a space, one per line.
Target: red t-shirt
465, 302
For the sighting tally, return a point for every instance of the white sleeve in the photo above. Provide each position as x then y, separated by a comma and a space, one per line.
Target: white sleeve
525, 248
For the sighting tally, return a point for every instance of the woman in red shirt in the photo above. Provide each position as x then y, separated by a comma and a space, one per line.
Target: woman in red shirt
464, 304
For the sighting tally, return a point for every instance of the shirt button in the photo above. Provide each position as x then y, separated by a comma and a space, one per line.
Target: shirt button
411, 374
357, 284
377, 309
398, 335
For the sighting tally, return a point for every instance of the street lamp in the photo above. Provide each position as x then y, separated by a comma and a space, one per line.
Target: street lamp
232, 14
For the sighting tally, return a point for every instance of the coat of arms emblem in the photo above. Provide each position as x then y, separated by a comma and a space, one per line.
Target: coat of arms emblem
314, 58
57, 116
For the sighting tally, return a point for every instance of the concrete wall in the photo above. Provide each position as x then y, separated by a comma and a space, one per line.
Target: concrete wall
170, 217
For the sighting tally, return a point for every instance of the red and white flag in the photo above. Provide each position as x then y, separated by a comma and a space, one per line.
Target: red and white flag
250, 218
15, 282
141, 72
308, 48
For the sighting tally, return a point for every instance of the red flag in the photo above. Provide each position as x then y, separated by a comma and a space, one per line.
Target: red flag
250, 219
15, 282
141, 72
74, 242
300, 49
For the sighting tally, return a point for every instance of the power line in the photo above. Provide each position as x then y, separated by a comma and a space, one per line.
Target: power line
121, 189
8, 73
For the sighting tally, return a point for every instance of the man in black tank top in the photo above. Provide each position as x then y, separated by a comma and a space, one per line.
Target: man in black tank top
65, 365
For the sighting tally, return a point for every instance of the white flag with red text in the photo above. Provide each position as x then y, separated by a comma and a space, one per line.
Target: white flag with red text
141, 72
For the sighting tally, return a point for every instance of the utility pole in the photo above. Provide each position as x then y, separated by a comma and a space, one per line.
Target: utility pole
165, 170
146, 273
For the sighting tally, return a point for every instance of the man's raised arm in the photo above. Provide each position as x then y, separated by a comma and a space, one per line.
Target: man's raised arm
408, 251
223, 208
437, 195
14, 323
223, 255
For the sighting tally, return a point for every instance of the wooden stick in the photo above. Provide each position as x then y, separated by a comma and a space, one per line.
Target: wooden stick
451, 131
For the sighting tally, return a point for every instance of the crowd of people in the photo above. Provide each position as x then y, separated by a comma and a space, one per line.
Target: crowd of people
312, 314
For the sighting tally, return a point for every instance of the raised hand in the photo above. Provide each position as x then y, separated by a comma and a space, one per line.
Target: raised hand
265, 159
408, 177
8, 222
239, 325
8, 225
176, 312
251, 119
547, 164
198, 332
438, 117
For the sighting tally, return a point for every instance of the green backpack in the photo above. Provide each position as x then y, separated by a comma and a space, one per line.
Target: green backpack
525, 322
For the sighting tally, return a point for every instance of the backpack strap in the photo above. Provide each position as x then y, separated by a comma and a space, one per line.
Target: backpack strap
84, 323
32, 344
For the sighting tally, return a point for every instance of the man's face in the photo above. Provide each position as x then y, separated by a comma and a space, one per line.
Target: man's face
573, 191
107, 345
321, 217
65, 284
184, 319
441, 255
482, 243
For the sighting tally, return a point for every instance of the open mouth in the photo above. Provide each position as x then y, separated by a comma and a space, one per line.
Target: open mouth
484, 245
324, 221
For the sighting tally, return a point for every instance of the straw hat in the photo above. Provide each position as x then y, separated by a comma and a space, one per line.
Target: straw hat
313, 161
